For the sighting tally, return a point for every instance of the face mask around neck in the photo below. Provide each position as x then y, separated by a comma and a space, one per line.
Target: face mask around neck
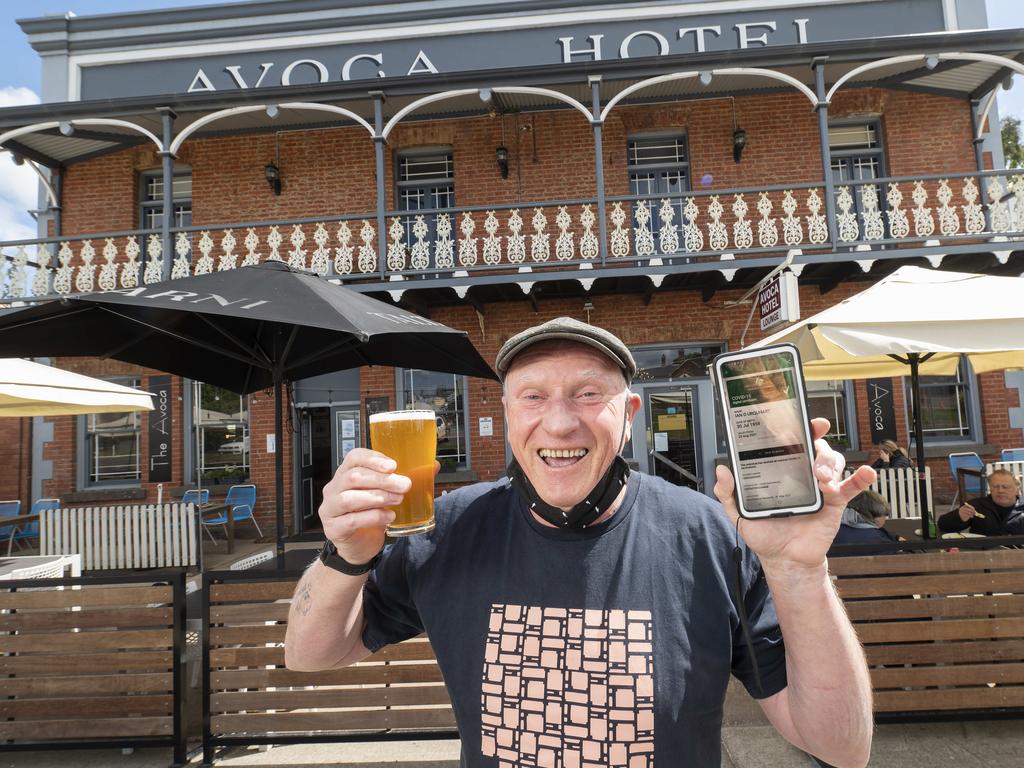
583, 514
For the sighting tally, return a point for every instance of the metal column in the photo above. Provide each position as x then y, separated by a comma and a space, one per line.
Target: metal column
167, 118
826, 152
378, 150
597, 123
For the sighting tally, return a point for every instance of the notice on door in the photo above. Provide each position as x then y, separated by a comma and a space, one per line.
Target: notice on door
661, 442
672, 422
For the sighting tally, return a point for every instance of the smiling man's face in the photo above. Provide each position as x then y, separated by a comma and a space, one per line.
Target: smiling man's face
565, 404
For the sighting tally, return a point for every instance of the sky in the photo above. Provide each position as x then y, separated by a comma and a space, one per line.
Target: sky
20, 75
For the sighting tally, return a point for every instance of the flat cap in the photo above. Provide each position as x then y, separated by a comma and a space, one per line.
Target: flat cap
568, 329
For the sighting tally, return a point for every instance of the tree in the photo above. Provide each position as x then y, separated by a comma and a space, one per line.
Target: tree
1013, 150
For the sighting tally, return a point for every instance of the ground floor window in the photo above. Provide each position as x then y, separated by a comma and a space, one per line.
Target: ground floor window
445, 395
948, 405
112, 445
221, 423
829, 400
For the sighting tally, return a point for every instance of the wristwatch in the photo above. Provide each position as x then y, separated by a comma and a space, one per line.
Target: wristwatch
329, 556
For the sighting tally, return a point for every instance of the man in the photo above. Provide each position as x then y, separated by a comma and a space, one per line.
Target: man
581, 612
996, 514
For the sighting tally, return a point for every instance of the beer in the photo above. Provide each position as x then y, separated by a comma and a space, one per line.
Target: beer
410, 438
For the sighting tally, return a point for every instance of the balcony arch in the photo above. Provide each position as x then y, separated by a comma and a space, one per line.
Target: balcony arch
524, 89
229, 112
755, 71
51, 193
88, 121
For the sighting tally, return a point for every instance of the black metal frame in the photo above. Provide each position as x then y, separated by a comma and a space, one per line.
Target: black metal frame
177, 739
213, 745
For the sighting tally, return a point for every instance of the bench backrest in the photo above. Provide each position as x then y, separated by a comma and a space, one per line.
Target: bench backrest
89, 659
943, 632
139, 536
250, 691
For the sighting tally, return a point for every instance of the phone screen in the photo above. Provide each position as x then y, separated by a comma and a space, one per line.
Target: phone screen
765, 409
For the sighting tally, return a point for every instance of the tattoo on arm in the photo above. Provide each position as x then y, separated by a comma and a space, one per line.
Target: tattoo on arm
304, 599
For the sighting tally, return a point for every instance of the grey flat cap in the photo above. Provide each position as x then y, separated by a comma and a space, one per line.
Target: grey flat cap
570, 330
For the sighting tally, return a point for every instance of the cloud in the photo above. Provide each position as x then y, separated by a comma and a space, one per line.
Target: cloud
19, 185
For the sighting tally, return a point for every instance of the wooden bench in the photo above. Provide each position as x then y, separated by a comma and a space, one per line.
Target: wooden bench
943, 631
138, 536
91, 662
252, 699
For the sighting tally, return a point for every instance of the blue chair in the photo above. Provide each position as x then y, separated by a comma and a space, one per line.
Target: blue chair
31, 530
968, 485
240, 502
10, 508
1013, 454
196, 496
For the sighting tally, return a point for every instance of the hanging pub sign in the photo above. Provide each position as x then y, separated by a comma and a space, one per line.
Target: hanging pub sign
160, 433
779, 300
881, 413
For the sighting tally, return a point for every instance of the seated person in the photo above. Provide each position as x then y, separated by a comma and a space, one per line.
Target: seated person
998, 514
891, 456
863, 523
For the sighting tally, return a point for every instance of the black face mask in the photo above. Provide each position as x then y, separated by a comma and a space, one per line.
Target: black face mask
583, 514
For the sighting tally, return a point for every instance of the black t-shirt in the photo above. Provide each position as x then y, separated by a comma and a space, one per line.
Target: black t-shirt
614, 642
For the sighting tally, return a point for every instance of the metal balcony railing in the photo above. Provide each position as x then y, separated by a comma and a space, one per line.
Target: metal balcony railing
929, 211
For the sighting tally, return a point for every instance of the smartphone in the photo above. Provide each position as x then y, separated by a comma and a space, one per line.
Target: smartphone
768, 431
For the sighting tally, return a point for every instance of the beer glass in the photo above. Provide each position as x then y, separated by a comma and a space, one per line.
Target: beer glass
410, 438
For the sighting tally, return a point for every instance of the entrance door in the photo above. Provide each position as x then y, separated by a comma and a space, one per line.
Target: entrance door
673, 435
315, 461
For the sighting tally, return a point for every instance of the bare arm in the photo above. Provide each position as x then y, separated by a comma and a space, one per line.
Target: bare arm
325, 621
826, 707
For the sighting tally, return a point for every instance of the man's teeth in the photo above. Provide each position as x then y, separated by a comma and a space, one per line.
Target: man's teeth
548, 453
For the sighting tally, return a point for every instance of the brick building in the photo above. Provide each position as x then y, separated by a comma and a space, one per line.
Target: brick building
639, 166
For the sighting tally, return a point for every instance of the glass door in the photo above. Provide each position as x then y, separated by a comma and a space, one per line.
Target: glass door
673, 447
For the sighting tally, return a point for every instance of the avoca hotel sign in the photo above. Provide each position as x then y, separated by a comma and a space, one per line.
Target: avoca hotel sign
454, 45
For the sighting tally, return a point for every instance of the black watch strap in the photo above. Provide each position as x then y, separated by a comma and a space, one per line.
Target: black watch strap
329, 556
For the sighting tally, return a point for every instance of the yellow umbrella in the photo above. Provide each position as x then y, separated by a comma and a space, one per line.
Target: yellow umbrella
32, 389
916, 321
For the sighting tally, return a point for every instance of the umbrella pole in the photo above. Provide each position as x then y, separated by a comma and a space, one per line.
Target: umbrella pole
915, 388
279, 471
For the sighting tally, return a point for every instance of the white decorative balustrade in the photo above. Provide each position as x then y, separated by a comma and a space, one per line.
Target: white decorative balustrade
927, 210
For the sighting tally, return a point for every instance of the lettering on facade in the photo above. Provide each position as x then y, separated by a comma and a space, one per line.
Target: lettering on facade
573, 48
160, 430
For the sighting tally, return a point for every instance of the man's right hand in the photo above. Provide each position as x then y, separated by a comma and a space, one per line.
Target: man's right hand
967, 512
355, 509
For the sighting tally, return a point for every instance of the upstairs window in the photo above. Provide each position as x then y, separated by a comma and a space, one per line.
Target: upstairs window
151, 199
658, 166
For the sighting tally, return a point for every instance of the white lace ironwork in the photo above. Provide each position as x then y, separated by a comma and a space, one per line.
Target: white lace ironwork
718, 233
949, 220
343, 252
444, 246
693, 238
792, 229
846, 219
874, 228
974, 215
62, 279
620, 233
492, 243
467, 243
565, 248
228, 257
742, 231
320, 264
420, 249
767, 227
274, 240
516, 243
251, 242
396, 245
297, 255
130, 270
86, 277
817, 227
540, 241
668, 234
108, 271
18, 275
642, 229
589, 246
998, 213
154, 271
41, 280
182, 250
367, 253
899, 224
205, 263
924, 221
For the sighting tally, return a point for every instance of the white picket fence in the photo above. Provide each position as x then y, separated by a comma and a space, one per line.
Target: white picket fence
138, 536
1017, 467
900, 488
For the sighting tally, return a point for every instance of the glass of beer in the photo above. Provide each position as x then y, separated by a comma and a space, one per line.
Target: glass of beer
410, 438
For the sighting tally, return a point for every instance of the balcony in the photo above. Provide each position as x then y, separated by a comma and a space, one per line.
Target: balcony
723, 230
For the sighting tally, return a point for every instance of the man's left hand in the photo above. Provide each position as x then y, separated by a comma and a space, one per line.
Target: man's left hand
800, 540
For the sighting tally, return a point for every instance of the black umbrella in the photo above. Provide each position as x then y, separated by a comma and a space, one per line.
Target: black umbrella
244, 329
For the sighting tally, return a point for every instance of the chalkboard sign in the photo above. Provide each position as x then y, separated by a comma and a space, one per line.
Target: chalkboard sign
881, 414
